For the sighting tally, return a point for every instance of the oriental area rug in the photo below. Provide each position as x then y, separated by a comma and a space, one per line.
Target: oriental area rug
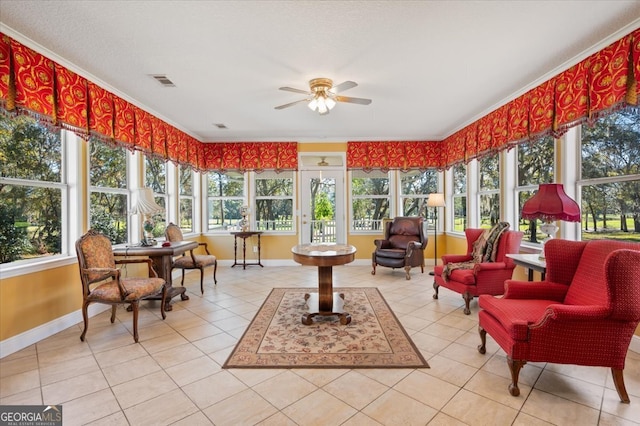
276, 337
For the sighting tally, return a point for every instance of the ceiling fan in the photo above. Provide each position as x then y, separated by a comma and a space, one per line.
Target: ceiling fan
323, 95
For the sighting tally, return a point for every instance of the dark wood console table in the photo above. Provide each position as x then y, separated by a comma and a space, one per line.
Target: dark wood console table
244, 235
325, 256
162, 258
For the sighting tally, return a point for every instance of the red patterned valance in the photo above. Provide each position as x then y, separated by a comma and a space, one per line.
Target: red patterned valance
71, 100
393, 155
606, 80
34, 81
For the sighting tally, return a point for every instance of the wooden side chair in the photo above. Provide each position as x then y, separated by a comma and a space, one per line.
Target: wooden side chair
102, 281
190, 260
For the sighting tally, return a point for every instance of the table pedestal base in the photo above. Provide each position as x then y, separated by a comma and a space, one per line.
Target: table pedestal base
336, 307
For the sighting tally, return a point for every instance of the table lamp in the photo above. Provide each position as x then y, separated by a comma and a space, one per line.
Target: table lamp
550, 204
435, 200
147, 207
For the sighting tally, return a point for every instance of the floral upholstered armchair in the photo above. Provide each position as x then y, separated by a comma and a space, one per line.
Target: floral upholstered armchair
102, 281
191, 260
403, 245
584, 313
484, 275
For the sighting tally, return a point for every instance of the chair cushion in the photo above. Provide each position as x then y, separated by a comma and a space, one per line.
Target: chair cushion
515, 314
390, 253
464, 276
186, 262
136, 287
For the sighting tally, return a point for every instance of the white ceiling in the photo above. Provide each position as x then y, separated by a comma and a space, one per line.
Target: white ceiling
430, 67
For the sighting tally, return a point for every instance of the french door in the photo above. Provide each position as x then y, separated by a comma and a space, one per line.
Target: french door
322, 206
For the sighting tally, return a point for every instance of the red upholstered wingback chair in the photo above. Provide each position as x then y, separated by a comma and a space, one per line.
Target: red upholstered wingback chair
584, 313
484, 278
403, 245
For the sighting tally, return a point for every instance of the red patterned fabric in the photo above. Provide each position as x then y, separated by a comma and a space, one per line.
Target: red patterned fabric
572, 98
250, 156
158, 137
594, 323
287, 156
484, 135
396, 154
607, 76
172, 143
499, 121
268, 156
101, 114
212, 156
416, 154
471, 142
124, 128
192, 152
231, 155
486, 277
518, 118
633, 95
183, 140
143, 130
72, 100
6, 100
377, 156
541, 109
34, 81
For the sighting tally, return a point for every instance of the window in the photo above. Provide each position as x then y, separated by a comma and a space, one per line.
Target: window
415, 187
108, 192
489, 190
225, 197
186, 200
459, 197
156, 179
610, 177
274, 201
535, 166
33, 190
371, 200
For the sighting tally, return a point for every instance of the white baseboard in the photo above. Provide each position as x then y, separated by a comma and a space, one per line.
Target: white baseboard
29, 337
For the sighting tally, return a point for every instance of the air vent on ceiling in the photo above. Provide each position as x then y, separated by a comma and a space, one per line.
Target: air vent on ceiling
220, 126
164, 80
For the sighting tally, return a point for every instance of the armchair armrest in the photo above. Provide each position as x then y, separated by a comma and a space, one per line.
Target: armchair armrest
152, 272
535, 290
206, 247
489, 266
413, 245
455, 258
382, 244
103, 274
560, 312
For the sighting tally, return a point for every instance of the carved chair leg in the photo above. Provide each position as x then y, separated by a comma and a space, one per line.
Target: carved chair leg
407, 270
85, 317
182, 282
164, 299
113, 313
467, 299
515, 367
435, 288
482, 347
134, 308
202, 280
618, 380
215, 268
373, 265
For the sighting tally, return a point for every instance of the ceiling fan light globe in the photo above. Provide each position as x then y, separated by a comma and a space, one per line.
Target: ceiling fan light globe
313, 104
322, 107
330, 103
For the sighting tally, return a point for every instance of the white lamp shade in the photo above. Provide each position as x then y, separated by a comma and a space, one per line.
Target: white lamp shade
145, 204
436, 200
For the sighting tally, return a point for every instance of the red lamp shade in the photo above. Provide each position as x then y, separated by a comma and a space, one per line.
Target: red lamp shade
551, 203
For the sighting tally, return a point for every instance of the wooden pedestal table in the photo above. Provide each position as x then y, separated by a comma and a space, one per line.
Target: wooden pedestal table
325, 256
162, 258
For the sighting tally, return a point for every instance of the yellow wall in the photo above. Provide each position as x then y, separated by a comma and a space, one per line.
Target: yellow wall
31, 300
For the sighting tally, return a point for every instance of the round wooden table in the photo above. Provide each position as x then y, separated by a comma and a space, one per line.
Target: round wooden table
325, 256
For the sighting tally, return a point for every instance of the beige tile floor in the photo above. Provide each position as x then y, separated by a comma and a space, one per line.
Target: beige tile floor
174, 375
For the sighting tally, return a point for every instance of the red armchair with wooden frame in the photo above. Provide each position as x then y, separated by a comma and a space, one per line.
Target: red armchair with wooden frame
190, 260
403, 245
102, 282
484, 277
584, 313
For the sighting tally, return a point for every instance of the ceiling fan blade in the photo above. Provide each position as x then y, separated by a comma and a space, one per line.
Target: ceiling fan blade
360, 101
343, 86
291, 104
294, 90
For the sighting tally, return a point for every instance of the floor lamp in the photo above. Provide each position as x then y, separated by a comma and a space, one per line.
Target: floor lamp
435, 200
